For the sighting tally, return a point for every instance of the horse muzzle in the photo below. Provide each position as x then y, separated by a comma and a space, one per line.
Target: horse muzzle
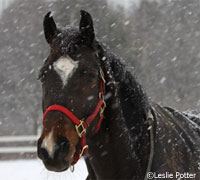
54, 156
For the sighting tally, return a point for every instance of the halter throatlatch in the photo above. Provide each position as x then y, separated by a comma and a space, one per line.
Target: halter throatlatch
81, 125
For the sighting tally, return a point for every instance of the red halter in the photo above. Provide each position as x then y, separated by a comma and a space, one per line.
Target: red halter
80, 125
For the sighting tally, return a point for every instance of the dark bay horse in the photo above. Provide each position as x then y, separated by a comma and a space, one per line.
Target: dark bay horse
94, 107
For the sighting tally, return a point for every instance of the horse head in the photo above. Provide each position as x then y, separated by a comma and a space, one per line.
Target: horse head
72, 84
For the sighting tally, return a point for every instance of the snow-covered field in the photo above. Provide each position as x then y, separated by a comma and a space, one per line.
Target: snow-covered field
35, 170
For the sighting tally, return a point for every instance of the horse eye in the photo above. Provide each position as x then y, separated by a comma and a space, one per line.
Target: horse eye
91, 77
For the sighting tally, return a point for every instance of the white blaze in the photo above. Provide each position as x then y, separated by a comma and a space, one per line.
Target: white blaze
65, 67
49, 144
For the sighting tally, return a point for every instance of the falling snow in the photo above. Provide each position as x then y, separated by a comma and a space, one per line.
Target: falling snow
159, 38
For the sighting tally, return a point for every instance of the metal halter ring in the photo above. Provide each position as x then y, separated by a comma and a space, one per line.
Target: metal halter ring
71, 168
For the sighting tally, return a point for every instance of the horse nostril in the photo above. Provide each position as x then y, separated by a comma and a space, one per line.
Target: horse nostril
42, 153
64, 145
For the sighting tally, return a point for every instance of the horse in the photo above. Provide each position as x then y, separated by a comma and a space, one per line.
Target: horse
95, 108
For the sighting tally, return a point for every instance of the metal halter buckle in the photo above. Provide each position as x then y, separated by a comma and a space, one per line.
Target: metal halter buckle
103, 108
82, 151
80, 129
103, 105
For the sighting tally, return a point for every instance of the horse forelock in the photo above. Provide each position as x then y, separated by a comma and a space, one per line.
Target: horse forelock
64, 39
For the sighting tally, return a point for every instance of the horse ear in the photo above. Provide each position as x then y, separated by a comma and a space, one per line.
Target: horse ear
86, 28
50, 28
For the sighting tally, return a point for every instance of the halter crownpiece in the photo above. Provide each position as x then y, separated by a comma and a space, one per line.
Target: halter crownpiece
81, 125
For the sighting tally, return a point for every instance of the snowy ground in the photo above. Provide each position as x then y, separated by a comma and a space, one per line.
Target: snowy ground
34, 169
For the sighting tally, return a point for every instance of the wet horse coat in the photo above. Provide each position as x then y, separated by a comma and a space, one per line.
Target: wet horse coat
136, 136
177, 142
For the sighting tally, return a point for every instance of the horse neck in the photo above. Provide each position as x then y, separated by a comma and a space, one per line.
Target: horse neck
133, 107
123, 136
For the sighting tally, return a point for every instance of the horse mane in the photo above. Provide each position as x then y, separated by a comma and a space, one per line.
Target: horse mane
133, 99
133, 102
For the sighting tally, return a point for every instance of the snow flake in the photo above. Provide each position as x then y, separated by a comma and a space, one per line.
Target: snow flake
112, 25
103, 58
163, 79
174, 59
127, 23
90, 98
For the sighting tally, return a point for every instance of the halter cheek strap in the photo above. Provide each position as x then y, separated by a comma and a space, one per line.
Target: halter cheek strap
81, 126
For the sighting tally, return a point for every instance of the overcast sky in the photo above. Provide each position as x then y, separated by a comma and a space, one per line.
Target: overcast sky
126, 3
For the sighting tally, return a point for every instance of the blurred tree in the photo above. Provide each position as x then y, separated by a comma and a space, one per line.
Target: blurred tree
168, 32
23, 48
160, 39
113, 27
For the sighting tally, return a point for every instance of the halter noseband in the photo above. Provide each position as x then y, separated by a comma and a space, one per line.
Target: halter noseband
81, 125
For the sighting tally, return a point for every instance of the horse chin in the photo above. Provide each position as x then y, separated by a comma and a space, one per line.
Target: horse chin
56, 167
